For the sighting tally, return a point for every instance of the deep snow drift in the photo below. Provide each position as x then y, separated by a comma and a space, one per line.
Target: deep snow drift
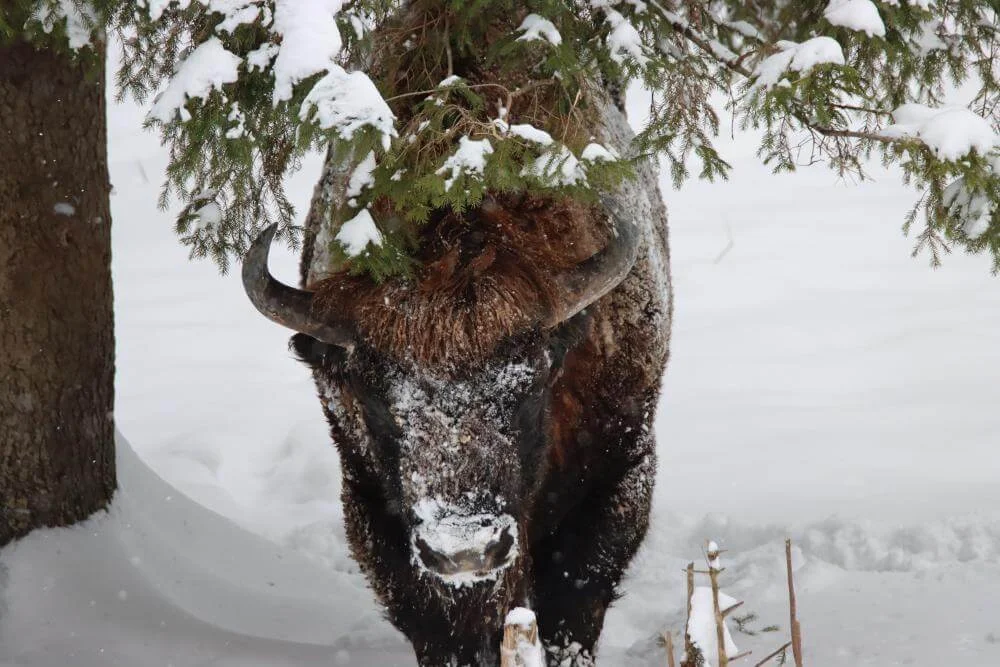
817, 371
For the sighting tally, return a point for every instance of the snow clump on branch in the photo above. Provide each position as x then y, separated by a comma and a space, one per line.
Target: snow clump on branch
79, 16
537, 28
304, 42
797, 58
207, 68
468, 159
860, 15
950, 132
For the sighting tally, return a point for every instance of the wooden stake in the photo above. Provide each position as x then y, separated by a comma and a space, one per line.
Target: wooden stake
669, 639
689, 649
796, 630
720, 623
690, 581
513, 636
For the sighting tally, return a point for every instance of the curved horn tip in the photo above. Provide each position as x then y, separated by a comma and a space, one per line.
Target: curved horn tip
266, 236
288, 306
255, 258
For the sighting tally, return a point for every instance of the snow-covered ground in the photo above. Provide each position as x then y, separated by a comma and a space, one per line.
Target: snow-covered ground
823, 385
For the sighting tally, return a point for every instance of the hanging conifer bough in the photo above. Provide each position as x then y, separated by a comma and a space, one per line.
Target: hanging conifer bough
470, 96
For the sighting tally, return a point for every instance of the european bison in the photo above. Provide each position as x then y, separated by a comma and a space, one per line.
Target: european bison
494, 414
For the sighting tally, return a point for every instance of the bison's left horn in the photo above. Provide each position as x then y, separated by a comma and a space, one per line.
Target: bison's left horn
589, 281
286, 305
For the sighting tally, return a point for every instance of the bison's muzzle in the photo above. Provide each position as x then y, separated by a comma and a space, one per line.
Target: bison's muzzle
462, 545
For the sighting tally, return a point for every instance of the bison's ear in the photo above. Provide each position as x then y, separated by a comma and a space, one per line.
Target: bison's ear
314, 353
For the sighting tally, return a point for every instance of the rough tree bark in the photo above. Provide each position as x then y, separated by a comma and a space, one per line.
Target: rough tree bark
56, 319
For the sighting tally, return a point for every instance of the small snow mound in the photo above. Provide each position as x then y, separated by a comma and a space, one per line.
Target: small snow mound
79, 17
526, 131
362, 176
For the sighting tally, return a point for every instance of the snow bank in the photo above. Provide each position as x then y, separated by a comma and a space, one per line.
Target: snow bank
130, 584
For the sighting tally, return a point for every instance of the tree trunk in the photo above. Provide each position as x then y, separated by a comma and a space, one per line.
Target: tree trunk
56, 319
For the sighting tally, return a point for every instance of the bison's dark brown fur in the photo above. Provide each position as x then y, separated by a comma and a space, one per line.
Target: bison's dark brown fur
484, 277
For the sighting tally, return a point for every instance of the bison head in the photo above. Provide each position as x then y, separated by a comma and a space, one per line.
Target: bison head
453, 443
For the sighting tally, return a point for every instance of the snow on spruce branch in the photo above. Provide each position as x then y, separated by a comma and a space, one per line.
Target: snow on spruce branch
79, 16
794, 57
304, 41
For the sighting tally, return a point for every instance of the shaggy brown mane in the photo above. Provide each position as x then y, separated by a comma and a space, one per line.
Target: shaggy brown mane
485, 275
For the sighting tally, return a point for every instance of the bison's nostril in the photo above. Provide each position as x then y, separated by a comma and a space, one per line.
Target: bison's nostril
498, 550
431, 559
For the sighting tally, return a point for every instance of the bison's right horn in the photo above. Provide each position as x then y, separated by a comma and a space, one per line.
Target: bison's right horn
289, 307
589, 281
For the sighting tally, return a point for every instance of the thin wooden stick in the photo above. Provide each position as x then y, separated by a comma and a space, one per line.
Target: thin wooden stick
796, 630
720, 623
689, 648
690, 582
728, 610
774, 655
669, 638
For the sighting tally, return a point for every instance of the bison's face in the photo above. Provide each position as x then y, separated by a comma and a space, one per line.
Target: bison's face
453, 449
457, 456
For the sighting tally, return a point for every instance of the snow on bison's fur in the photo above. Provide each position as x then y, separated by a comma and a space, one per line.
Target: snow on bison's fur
494, 414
